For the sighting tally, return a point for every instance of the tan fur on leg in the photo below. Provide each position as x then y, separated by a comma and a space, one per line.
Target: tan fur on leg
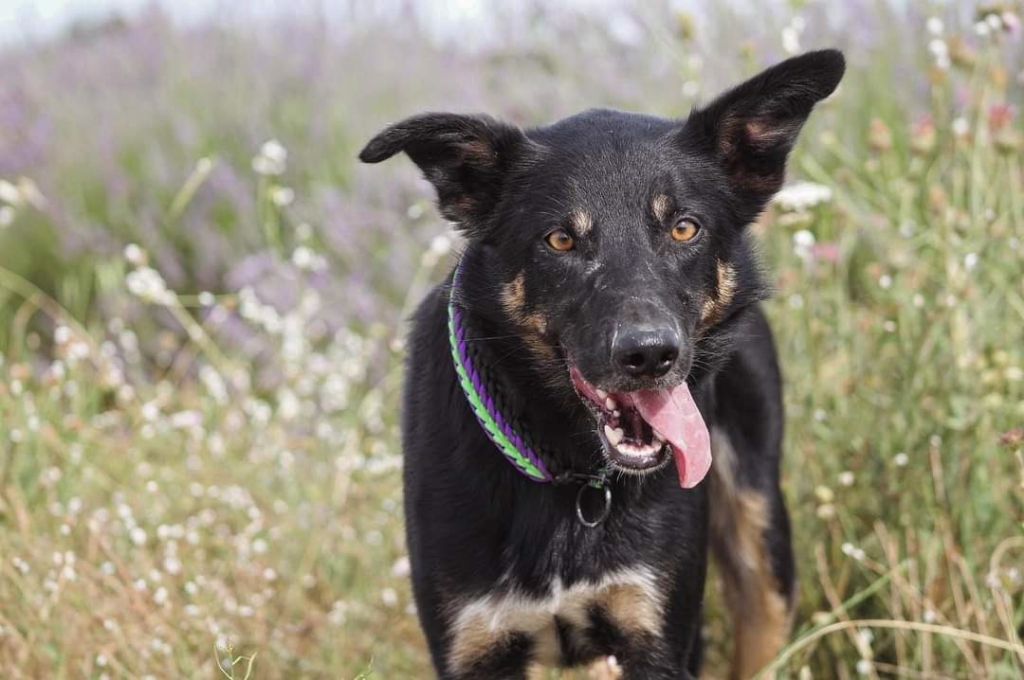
761, 615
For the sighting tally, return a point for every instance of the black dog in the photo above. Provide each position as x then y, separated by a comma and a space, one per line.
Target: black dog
602, 321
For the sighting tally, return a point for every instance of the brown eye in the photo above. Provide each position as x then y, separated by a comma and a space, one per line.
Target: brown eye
685, 230
560, 240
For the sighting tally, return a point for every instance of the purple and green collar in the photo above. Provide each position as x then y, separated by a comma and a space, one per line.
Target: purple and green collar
481, 401
523, 457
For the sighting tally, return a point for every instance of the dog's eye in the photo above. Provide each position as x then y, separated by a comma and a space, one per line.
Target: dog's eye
560, 240
685, 230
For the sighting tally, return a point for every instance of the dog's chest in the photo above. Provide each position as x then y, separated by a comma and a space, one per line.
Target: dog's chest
628, 600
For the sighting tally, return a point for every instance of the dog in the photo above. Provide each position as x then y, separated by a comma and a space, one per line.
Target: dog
599, 342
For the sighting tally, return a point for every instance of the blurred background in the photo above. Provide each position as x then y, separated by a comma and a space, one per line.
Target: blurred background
202, 298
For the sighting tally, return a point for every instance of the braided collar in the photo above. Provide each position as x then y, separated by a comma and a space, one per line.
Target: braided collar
514, 444
481, 396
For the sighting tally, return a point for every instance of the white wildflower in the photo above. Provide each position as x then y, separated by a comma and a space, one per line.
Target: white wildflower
62, 335
441, 244
9, 193
803, 242
864, 667
138, 536
885, 282
135, 255
282, 196
960, 126
791, 36
272, 159
186, 420
935, 26
846, 478
307, 259
6, 216
401, 568
801, 196
214, 384
901, 459
852, 551
970, 261
147, 284
938, 47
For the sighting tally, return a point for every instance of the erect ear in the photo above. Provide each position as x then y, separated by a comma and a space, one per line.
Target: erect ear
752, 127
466, 158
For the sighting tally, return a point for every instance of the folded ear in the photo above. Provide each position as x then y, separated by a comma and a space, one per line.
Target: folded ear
752, 127
466, 158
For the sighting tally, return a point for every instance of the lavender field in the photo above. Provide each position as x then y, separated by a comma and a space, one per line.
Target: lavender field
202, 297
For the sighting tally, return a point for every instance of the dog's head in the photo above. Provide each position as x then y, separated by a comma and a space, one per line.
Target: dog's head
618, 239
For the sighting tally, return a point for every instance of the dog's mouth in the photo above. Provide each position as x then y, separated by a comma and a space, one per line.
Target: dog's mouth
642, 430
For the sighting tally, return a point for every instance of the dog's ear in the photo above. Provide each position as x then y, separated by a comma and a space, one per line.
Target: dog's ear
466, 158
751, 128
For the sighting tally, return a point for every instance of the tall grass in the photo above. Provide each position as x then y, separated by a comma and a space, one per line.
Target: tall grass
201, 331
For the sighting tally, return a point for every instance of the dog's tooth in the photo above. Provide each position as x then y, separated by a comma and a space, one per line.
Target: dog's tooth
631, 450
614, 435
616, 413
610, 404
601, 394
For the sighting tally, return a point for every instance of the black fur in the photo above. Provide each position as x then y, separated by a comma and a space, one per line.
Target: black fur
477, 527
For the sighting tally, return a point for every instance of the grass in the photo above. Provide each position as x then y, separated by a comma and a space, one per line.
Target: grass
193, 481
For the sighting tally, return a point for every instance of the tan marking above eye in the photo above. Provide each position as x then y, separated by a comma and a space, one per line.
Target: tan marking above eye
581, 222
560, 240
662, 207
685, 230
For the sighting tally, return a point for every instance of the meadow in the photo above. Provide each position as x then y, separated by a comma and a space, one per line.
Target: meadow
201, 318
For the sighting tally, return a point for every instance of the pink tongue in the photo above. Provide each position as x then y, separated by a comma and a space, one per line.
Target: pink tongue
674, 415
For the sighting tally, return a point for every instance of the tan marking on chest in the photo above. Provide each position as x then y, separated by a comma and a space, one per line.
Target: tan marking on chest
629, 598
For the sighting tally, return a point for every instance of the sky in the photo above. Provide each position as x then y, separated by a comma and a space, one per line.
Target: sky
31, 20
24, 20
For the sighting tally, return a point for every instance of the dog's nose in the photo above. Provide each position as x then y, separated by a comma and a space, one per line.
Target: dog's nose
645, 352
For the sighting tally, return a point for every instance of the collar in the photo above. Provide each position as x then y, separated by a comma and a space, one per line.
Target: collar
483, 394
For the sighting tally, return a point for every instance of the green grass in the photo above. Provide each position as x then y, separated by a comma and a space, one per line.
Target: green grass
178, 494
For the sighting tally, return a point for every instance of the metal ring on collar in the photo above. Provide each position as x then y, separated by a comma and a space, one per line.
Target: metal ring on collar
605, 509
